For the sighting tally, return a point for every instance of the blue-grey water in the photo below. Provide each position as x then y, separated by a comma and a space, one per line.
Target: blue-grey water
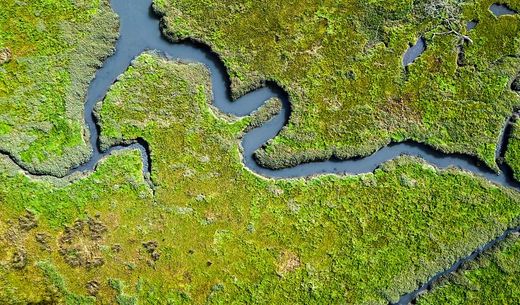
414, 51
140, 31
471, 25
499, 9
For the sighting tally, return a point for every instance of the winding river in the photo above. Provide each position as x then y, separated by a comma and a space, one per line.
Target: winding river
140, 31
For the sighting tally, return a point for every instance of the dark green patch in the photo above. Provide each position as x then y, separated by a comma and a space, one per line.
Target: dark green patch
492, 279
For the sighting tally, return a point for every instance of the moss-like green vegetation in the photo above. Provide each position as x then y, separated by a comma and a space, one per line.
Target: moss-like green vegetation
492, 279
50, 50
216, 233
210, 231
512, 156
341, 62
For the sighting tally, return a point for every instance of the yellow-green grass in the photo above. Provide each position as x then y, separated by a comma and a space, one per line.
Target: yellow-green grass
56, 47
224, 234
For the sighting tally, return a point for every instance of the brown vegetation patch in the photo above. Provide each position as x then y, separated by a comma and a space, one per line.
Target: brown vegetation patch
92, 287
116, 248
43, 241
288, 262
152, 249
5, 55
402, 108
19, 259
402, 113
28, 221
80, 244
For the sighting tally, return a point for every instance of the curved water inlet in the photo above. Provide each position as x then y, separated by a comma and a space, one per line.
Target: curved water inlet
414, 51
411, 298
139, 32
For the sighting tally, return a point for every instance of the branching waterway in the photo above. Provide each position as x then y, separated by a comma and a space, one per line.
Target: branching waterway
140, 32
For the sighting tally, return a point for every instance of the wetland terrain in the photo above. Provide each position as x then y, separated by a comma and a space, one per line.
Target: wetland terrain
303, 152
